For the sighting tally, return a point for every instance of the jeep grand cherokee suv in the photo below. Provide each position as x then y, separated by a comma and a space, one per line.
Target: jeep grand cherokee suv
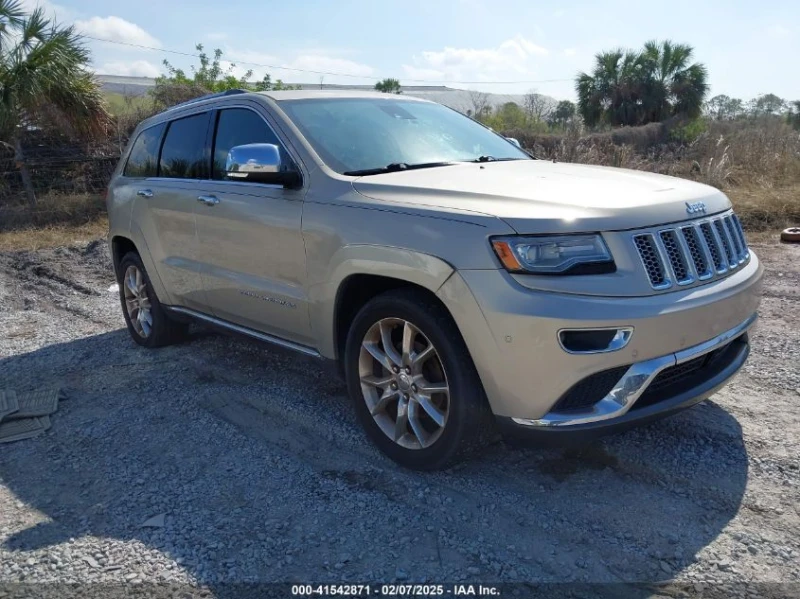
462, 286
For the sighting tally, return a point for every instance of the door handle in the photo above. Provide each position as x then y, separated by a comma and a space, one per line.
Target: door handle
145, 193
208, 200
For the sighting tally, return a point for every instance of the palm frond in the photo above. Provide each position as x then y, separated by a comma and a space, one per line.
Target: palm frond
11, 18
44, 80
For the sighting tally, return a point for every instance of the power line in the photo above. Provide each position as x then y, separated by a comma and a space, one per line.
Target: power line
273, 66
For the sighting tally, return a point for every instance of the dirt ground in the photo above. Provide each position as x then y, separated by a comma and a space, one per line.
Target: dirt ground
252, 463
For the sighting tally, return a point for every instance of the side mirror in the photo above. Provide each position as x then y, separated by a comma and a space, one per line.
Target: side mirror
259, 163
514, 141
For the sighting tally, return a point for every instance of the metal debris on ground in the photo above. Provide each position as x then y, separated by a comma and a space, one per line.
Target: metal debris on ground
25, 415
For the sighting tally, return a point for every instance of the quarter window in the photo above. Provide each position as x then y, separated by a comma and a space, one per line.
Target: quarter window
183, 154
143, 159
237, 127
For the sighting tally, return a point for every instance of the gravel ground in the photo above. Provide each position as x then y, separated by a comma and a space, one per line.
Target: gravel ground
221, 461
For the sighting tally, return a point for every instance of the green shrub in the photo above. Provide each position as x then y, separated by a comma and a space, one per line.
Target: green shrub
689, 131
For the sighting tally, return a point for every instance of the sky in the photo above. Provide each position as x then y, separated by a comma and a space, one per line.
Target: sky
500, 46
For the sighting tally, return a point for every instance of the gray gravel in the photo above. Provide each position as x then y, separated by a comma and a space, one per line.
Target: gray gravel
221, 461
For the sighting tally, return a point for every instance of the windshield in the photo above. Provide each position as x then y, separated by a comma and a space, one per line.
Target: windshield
355, 134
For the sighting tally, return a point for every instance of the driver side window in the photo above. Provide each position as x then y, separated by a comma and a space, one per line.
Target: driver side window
240, 126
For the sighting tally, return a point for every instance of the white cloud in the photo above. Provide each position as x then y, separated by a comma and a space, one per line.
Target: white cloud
246, 60
512, 58
570, 51
134, 68
116, 29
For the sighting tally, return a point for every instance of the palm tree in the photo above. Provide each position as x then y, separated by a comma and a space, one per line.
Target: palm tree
635, 88
612, 92
673, 85
44, 81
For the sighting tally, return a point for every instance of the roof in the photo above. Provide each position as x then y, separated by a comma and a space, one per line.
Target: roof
307, 94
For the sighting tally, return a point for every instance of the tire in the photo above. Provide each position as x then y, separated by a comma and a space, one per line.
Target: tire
791, 235
157, 330
423, 444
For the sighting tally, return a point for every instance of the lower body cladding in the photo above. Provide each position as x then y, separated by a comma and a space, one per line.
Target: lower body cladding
673, 350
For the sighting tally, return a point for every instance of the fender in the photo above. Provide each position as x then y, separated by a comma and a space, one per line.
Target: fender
420, 269
136, 236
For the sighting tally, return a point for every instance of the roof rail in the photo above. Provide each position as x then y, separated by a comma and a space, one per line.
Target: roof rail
229, 92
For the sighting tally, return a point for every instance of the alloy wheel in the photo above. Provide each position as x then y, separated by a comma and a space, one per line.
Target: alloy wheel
403, 383
137, 302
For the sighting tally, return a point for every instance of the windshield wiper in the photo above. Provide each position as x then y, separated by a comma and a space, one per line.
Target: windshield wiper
493, 159
394, 167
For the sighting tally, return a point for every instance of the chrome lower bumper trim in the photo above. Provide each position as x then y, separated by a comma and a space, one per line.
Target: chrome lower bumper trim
634, 382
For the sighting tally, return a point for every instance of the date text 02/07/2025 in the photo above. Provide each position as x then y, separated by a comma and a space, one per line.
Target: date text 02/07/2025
395, 590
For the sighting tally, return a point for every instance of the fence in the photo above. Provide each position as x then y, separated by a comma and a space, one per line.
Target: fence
57, 166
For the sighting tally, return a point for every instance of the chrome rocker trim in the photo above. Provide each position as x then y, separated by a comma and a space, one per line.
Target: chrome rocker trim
308, 351
634, 382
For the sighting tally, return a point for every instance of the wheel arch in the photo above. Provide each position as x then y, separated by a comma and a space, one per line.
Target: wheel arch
359, 273
132, 241
121, 245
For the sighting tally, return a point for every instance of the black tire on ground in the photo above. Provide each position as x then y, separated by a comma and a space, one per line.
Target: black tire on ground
791, 235
164, 331
470, 424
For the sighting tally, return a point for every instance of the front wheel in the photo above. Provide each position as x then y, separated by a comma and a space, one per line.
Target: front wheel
413, 383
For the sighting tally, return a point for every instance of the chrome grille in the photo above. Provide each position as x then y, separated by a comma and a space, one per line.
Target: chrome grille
651, 260
723, 237
676, 256
713, 247
699, 250
740, 233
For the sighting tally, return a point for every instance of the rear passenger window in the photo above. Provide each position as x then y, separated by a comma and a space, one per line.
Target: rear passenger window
143, 159
237, 127
183, 153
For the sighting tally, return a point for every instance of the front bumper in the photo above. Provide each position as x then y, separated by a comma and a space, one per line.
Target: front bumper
621, 408
512, 335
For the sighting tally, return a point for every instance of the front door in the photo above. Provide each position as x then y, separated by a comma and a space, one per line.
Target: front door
250, 239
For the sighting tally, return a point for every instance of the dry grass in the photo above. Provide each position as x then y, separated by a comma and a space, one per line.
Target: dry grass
52, 209
35, 238
57, 220
766, 208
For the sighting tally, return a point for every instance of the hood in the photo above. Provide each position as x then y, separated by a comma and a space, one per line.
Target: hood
538, 196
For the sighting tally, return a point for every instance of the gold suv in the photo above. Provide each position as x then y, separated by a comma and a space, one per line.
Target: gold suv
462, 286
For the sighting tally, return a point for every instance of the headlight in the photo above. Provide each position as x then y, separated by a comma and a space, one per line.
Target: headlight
555, 255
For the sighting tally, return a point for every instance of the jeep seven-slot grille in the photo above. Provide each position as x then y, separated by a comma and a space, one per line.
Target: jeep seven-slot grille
649, 255
690, 252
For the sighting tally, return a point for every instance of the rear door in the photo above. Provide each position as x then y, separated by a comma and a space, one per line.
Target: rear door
251, 243
165, 205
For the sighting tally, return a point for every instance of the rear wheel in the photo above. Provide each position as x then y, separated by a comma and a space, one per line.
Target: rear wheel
148, 323
413, 383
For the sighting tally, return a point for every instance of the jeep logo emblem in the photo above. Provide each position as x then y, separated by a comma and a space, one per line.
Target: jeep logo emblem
695, 208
